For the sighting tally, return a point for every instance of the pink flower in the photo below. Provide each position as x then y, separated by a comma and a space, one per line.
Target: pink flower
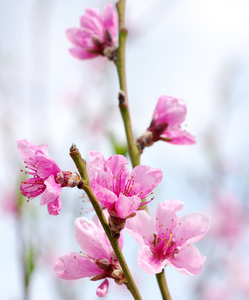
171, 244
10, 203
166, 124
98, 260
47, 178
116, 188
96, 35
215, 291
228, 207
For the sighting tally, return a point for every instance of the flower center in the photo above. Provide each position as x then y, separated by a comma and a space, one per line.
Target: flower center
164, 247
125, 189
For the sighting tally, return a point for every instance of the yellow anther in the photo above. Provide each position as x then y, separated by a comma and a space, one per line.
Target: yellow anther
130, 188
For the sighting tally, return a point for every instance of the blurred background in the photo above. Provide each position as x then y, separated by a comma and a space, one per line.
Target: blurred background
197, 50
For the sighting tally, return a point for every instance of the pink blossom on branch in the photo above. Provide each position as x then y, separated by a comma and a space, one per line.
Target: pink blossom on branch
169, 240
98, 259
47, 180
120, 191
96, 36
166, 122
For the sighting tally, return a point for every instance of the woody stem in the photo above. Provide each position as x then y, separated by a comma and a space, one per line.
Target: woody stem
86, 186
123, 97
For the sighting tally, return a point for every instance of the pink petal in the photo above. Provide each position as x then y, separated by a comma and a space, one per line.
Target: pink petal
170, 110
166, 218
52, 191
148, 262
91, 239
179, 137
103, 179
144, 179
141, 228
96, 162
97, 158
46, 166
94, 13
188, 261
81, 53
97, 222
117, 164
54, 207
106, 197
74, 266
110, 19
126, 205
79, 37
102, 290
91, 23
192, 228
27, 150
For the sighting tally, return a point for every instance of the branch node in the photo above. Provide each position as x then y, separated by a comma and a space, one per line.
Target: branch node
121, 98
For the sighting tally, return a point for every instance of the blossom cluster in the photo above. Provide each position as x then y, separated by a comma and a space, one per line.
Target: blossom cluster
122, 194
167, 242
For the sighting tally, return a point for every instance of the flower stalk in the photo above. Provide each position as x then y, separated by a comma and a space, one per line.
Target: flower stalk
133, 150
123, 98
161, 280
86, 186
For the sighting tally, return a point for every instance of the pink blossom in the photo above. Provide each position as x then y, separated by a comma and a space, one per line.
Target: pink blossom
98, 260
166, 122
215, 291
96, 35
9, 203
168, 240
228, 207
47, 178
116, 188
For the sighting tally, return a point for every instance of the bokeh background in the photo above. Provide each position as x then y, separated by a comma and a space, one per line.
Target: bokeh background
197, 50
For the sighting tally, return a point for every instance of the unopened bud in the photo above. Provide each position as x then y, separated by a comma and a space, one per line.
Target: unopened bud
67, 179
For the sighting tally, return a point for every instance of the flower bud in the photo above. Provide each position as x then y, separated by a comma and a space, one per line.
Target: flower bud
67, 179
